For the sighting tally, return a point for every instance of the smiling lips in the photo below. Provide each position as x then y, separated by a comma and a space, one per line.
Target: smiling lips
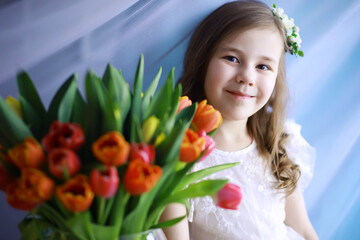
240, 95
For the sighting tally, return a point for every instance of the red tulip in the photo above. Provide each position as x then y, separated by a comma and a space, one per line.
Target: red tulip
142, 151
209, 144
191, 146
229, 197
141, 177
76, 194
27, 154
184, 102
62, 159
104, 182
66, 135
206, 118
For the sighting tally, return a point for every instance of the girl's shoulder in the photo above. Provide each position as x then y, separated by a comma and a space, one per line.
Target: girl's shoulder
300, 152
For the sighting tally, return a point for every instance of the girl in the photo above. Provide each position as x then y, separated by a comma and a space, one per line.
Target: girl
236, 60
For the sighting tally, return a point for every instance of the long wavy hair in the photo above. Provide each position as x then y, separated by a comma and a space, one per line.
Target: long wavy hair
267, 125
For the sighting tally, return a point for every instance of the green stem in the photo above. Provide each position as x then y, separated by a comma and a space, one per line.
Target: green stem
101, 209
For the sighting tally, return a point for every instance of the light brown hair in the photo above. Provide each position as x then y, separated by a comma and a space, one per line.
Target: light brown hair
266, 125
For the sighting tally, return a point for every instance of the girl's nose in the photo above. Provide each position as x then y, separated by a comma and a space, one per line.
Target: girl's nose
246, 76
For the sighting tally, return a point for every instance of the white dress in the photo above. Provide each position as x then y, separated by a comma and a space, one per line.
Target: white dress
262, 211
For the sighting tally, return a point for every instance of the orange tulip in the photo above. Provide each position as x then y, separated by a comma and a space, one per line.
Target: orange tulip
184, 102
111, 149
141, 177
27, 154
206, 118
191, 146
31, 189
14, 198
76, 194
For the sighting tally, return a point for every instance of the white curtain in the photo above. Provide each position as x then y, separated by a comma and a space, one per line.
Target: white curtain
53, 39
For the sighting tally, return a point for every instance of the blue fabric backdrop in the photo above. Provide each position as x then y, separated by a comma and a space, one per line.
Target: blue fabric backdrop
52, 39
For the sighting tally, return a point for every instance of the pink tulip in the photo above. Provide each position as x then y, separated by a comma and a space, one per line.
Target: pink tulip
209, 144
229, 197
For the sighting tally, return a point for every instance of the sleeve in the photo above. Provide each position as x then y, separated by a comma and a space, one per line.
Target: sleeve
300, 151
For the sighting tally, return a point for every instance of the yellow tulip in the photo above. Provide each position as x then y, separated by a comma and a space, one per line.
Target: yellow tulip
14, 105
149, 127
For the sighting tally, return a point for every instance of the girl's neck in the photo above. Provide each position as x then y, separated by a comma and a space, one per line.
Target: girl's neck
232, 136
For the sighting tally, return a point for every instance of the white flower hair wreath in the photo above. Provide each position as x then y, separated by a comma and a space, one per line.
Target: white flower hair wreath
291, 30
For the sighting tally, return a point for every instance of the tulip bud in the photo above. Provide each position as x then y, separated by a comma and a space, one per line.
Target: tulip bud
104, 182
142, 151
15, 105
149, 127
184, 102
206, 118
209, 145
27, 154
229, 197
62, 159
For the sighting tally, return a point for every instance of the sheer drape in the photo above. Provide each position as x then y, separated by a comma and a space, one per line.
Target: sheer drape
52, 39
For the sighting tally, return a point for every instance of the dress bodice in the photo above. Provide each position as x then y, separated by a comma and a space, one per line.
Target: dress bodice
261, 213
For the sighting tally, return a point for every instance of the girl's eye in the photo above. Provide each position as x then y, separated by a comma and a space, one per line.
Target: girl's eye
263, 67
231, 59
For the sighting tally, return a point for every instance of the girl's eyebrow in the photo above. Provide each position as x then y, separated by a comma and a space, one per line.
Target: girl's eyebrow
238, 51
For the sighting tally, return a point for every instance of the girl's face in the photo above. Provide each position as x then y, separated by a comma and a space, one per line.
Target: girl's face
242, 72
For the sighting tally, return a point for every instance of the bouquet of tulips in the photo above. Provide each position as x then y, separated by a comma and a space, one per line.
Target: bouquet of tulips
107, 164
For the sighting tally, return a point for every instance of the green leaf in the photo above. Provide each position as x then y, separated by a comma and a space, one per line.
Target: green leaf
57, 99
169, 149
118, 90
118, 211
67, 103
29, 92
301, 53
81, 225
95, 99
79, 110
11, 126
149, 93
195, 176
200, 189
34, 121
161, 103
104, 232
136, 99
168, 223
135, 133
112, 117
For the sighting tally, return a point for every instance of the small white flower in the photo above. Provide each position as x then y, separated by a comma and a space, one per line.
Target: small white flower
292, 39
297, 29
278, 11
289, 31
